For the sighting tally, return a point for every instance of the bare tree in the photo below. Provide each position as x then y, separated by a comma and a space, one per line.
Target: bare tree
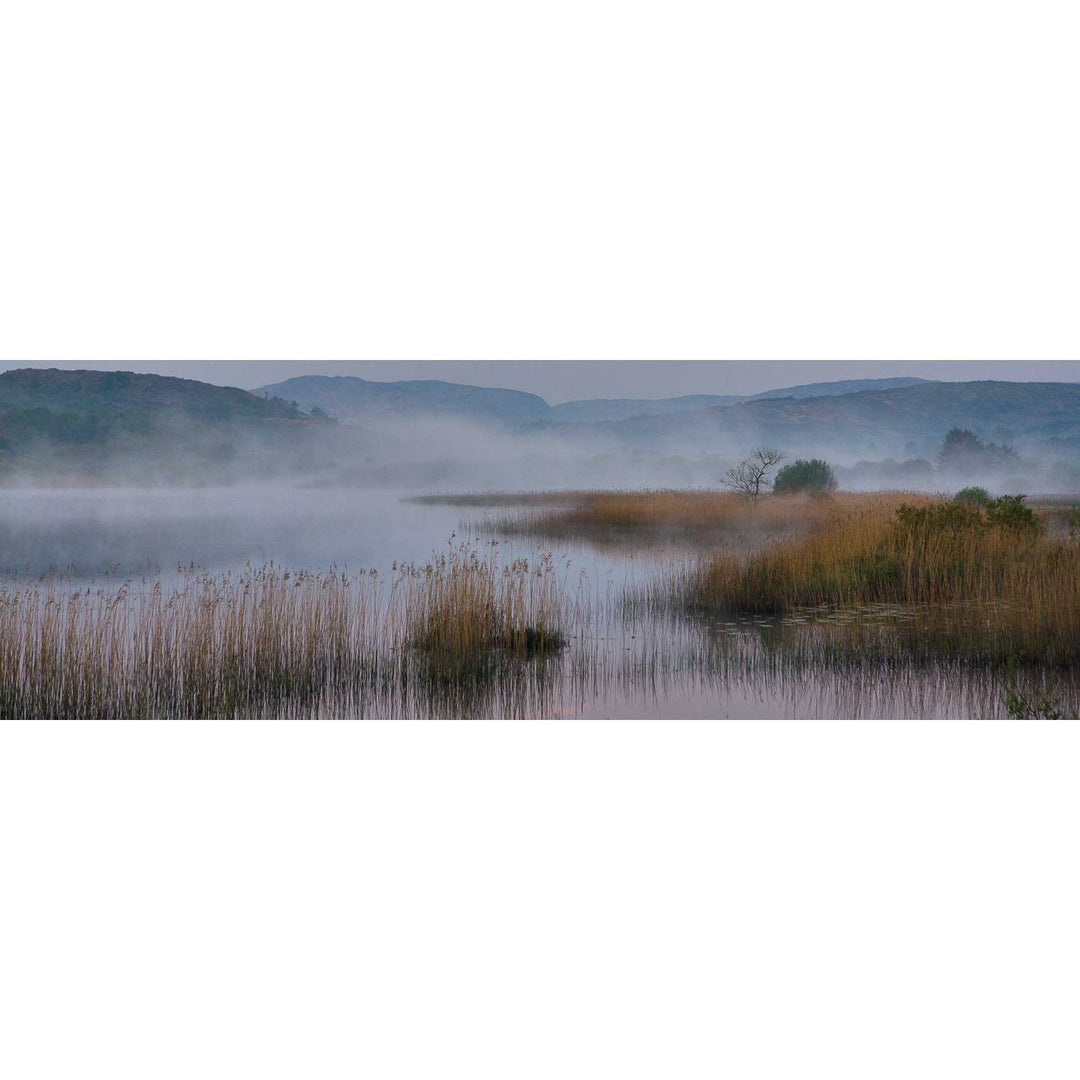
751, 474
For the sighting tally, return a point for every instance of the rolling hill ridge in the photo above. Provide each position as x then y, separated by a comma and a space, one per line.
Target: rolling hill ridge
140, 427
359, 400
143, 429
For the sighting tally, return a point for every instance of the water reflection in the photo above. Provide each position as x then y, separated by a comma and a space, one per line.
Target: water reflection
627, 655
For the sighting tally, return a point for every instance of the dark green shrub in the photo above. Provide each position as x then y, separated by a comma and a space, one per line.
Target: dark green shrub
1009, 512
964, 450
976, 496
939, 517
814, 475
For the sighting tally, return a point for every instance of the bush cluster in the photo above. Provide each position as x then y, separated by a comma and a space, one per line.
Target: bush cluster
1006, 513
977, 496
814, 475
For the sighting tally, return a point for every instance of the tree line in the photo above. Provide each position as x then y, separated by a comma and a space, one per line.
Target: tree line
961, 451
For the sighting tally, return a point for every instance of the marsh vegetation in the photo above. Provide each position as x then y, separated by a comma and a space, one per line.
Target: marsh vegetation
276, 642
986, 585
669, 603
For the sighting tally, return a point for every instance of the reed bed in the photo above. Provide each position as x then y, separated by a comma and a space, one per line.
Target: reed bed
479, 499
692, 518
984, 590
841, 605
271, 642
462, 606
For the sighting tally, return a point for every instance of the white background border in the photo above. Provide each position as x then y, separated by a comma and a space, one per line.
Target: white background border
483, 179
351, 180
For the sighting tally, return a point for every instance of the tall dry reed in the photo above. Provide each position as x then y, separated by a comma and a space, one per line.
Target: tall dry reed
687, 517
463, 604
985, 590
270, 641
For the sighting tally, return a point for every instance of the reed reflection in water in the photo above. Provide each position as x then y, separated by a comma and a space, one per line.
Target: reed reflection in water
519, 640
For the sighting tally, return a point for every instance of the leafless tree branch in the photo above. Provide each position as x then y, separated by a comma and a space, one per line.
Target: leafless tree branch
751, 474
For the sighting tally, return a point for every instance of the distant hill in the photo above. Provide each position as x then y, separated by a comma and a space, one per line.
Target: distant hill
594, 410
364, 400
871, 421
87, 392
139, 427
103, 427
832, 389
369, 401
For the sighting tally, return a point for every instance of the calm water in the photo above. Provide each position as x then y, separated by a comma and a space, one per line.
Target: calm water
131, 532
616, 666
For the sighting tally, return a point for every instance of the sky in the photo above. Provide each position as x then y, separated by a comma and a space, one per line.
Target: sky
566, 380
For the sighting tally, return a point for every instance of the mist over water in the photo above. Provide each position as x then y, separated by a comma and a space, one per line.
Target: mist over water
309, 493
88, 532
618, 664
442, 455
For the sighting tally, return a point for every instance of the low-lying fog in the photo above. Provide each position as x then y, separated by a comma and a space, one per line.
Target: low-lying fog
91, 532
455, 455
148, 534
346, 508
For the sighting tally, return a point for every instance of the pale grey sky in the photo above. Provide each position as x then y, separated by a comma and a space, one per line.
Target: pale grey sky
564, 380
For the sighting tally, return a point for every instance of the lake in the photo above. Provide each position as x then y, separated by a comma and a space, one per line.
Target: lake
620, 661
